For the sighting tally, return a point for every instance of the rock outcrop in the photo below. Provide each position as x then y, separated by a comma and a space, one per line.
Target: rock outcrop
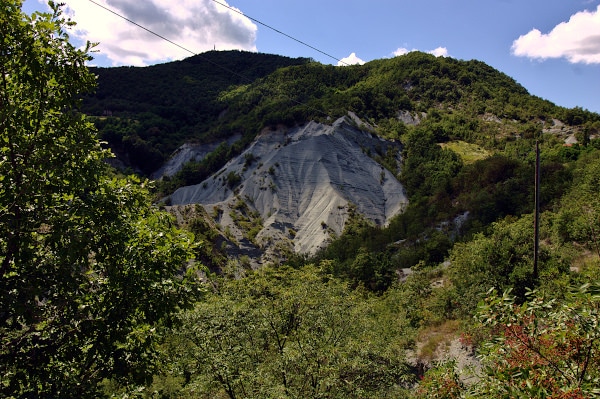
187, 153
301, 182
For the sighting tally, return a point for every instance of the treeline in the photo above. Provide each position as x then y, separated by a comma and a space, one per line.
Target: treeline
489, 108
379, 89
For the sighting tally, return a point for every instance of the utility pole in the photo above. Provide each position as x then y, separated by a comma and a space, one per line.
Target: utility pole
536, 217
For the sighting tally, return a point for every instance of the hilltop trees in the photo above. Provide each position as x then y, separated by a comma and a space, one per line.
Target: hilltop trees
154, 110
87, 267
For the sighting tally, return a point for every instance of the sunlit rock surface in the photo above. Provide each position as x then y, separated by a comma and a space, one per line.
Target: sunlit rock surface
303, 181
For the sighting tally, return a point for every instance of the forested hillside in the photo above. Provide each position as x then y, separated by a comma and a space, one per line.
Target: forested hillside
146, 113
468, 134
104, 294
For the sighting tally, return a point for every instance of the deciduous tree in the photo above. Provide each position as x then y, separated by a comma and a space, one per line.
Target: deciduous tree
545, 348
87, 267
287, 334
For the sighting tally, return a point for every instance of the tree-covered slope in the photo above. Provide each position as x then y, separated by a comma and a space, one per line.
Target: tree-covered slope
102, 296
418, 99
145, 113
379, 89
466, 100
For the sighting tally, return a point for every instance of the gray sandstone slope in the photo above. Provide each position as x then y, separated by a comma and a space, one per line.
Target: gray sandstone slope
302, 181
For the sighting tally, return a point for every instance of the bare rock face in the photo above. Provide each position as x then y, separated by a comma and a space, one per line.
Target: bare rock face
184, 154
409, 118
300, 183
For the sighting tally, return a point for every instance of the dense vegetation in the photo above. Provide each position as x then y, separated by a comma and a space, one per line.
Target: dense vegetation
90, 272
288, 333
416, 83
99, 296
146, 113
452, 267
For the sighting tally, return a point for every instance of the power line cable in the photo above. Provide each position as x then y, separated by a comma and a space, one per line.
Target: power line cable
245, 78
280, 32
142, 27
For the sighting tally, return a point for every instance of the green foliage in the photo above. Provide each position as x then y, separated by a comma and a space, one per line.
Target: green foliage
146, 113
494, 188
502, 259
198, 222
391, 129
246, 219
287, 333
358, 255
441, 382
379, 89
88, 268
232, 179
579, 116
195, 172
578, 218
428, 168
544, 348
469, 153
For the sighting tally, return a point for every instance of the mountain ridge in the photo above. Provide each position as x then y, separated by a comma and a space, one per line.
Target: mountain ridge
146, 113
202, 147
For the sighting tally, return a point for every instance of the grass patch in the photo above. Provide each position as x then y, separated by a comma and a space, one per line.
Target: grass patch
435, 338
468, 152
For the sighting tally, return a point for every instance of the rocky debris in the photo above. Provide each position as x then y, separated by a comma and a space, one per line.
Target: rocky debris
410, 119
559, 129
302, 182
491, 118
571, 139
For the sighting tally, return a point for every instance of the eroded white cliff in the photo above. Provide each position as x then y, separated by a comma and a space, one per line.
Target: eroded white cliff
302, 181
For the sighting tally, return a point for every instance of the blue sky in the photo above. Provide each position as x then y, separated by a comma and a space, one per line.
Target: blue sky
551, 47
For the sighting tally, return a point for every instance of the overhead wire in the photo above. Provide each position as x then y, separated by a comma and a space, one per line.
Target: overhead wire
245, 78
280, 32
141, 26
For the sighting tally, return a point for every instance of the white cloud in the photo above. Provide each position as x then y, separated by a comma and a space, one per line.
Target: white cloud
196, 25
438, 52
577, 40
401, 51
352, 59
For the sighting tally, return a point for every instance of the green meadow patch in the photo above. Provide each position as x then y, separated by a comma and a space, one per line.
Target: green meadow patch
468, 152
